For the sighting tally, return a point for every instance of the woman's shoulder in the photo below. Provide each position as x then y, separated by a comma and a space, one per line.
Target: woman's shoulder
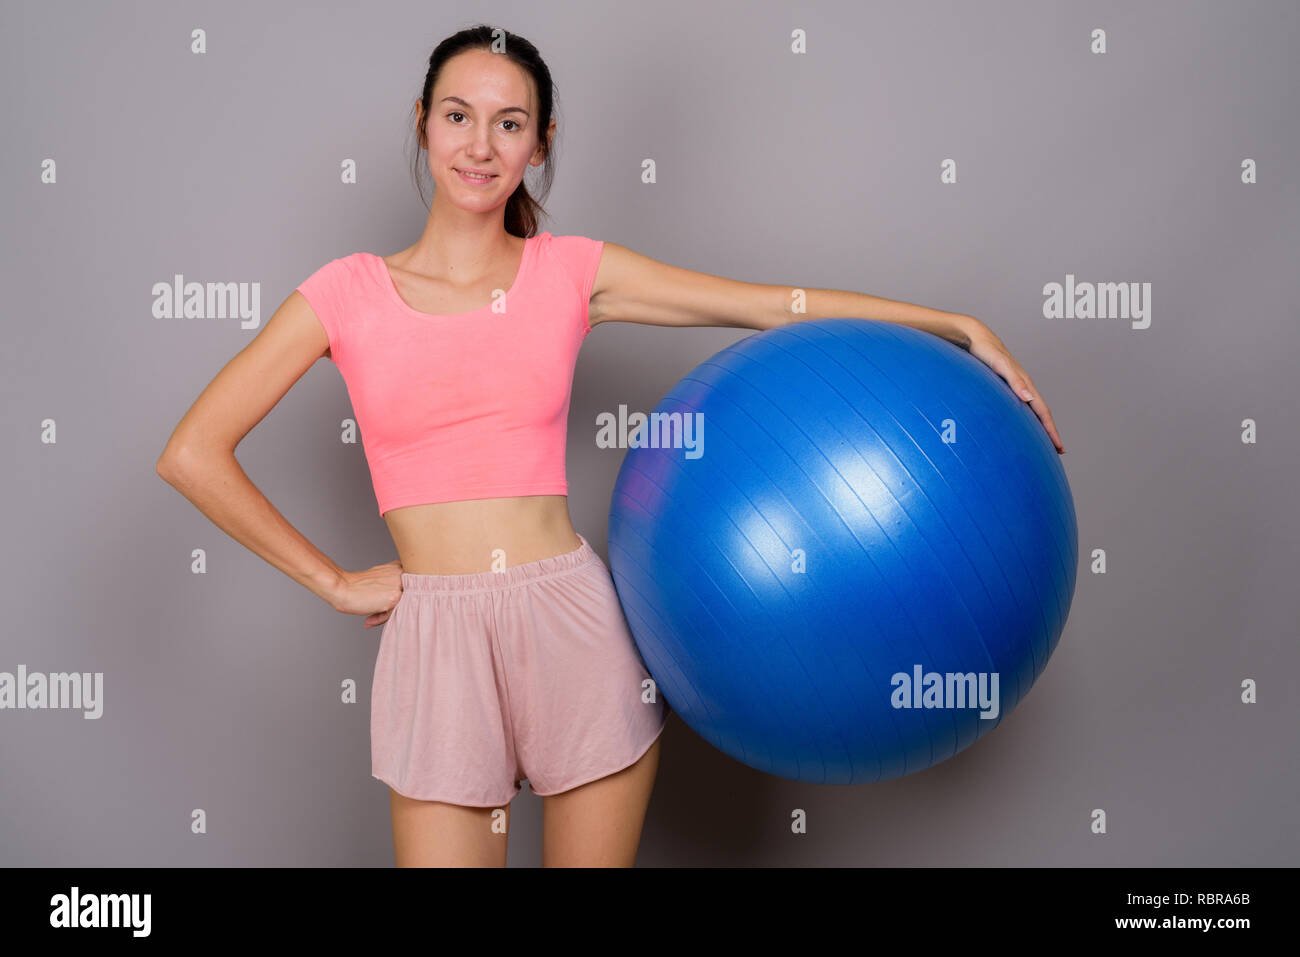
567, 243
572, 251
577, 258
333, 286
341, 271
349, 262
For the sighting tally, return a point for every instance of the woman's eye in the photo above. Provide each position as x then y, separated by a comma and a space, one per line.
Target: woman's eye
455, 113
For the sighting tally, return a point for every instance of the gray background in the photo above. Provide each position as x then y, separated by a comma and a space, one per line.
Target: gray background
821, 170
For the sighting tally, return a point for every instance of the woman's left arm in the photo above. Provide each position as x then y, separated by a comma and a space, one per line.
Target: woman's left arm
630, 287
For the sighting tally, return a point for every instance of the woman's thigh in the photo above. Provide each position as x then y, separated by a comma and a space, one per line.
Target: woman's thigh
599, 824
434, 834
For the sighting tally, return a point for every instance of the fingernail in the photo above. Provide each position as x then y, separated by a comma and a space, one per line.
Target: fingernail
1026, 394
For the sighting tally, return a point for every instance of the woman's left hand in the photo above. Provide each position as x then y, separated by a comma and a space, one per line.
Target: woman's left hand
988, 348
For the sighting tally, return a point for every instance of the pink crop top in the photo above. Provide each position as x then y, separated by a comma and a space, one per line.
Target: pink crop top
467, 405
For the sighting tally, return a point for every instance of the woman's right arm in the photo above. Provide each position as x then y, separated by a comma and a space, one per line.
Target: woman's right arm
199, 461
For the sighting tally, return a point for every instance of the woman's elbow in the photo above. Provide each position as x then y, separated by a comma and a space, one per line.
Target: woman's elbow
176, 461
168, 465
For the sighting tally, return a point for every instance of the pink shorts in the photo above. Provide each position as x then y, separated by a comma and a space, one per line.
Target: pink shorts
485, 679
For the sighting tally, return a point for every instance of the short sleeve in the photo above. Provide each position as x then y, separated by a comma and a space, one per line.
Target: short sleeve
586, 262
593, 264
323, 291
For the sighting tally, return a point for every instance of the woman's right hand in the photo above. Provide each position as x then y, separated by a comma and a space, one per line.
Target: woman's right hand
372, 592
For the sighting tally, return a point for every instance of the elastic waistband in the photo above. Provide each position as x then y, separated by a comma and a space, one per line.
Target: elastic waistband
508, 577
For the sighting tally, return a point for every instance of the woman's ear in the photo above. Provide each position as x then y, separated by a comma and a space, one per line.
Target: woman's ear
543, 146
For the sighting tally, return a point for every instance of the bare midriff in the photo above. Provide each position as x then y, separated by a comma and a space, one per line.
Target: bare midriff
459, 538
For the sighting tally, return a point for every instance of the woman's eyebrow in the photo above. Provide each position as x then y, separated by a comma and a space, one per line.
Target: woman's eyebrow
508, 109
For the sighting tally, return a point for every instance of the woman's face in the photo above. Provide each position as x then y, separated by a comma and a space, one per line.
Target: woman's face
482, 117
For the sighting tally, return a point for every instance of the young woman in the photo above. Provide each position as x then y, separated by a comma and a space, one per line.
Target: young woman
505, 653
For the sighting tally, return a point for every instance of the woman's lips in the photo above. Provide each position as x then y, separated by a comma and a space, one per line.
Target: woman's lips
475, 180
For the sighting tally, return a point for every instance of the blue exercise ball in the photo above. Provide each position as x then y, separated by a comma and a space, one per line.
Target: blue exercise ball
845, 548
